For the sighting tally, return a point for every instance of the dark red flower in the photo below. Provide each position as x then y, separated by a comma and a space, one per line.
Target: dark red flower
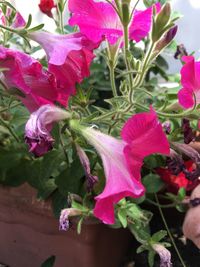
46, 6
175, 182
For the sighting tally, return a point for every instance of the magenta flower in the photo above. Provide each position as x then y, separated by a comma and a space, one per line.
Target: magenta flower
99, 20
144, 135
35, 85
190, 80
38, 127
69, 59
120, 182
122, 159
18, 21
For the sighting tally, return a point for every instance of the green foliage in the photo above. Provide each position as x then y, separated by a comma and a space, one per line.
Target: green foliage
49, 262
70, 179
152, 183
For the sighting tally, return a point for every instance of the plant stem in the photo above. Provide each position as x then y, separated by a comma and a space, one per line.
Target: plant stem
9, 29
61, 7
172, 205
166, 115
112, 79
128, 65
141, 74
169, 233
62, 144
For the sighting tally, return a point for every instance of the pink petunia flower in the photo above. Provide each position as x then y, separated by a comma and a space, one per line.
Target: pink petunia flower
99, 19
69, 59
122, 159
144, 136
24, 75
190, 80
18, 21
38, 127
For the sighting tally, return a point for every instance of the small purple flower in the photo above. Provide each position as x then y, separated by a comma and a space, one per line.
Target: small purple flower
91, 179
38, 127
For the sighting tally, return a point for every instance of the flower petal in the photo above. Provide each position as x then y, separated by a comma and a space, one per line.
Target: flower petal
96, 20
69, 59
26, 74
144, 135
186, 98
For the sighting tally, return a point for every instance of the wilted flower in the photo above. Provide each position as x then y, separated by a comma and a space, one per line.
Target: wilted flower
190, 80
187, 131
64, 223
175, 162
46, 7
38, 127
91, 179
165, 255
180, 51
24, 75
123, 159
99, 19
69, 58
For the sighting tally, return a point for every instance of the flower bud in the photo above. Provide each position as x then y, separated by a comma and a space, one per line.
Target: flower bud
126, 13
160, 22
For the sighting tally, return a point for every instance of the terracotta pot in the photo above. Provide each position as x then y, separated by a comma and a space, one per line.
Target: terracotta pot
29, 235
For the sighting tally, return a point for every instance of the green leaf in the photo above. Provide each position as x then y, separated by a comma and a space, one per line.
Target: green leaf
141, 234
79, 225
159, 235
15, 176
141, 249
69, 180
181, 194
49, 262
122, 217
59, 202
152, 183
134, 211
151, 256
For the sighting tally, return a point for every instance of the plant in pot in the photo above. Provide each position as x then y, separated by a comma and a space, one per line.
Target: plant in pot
87, 128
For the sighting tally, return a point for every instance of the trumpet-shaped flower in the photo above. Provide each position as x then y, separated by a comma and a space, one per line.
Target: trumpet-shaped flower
99, 19
190, 80
35, 86
38, 127
122, 159
120, 182
69, 59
